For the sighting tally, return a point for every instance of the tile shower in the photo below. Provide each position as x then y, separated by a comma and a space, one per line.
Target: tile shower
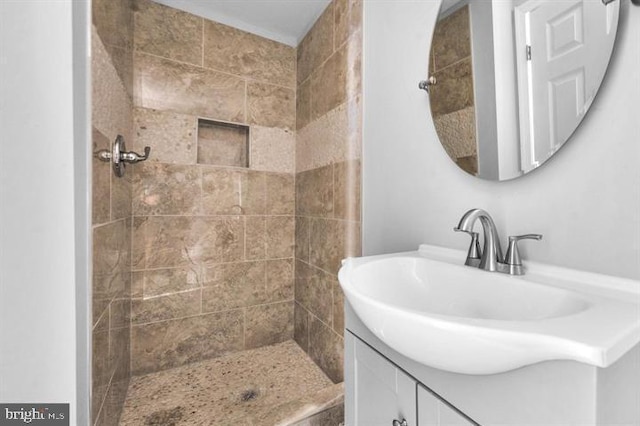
223, 248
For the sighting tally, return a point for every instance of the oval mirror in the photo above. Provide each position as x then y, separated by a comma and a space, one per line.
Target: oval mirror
511, 80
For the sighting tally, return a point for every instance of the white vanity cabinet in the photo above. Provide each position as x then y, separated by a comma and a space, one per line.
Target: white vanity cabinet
382, 385
379, 393
435, 412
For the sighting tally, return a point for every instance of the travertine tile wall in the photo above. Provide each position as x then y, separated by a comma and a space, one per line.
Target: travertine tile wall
213, 246
451, 99
111, 69
328, 147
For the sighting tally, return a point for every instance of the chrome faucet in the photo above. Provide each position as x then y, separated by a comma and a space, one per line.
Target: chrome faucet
491, 258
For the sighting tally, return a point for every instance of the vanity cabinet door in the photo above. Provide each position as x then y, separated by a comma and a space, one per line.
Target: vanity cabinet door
434, 412
382, 392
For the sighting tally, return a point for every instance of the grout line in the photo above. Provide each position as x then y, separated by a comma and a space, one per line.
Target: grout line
453, 64
244, 242
244, 328
213, 216
239, 77
333, 190
311, 265
325, 324
156, 296
202, 46
241, 308
246, 101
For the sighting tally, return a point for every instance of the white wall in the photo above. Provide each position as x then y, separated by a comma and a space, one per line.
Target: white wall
39, 214
585, 200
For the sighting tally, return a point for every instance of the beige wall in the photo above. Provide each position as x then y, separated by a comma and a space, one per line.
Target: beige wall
111, 70
212, 245
327, 178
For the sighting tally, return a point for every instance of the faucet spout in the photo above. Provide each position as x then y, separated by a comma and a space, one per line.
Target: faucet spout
492, 258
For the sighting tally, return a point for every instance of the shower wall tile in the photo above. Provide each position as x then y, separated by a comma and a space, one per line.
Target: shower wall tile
280, 194
167, 344
209, 242
122, 60
328, 150
301, 326
232, 191
280, 236
234, 285
254, 196
244, 284
338, 308
338, 79
114, 21
303, 104
347, 19
326, 349
113, 403
271, 106
256, 238
111, 265
332, 138
240, 53
272, 149
313, 290
158, 308
168, 32
346, 184
157, 282
166, 189
171, 135
279, 280
100, 371
168, 85
329, 84
121, 196
101, 180
317, 45
111, 74
314, 192
178, 241
269, 324
303, 229
331, 241
120, 313
119, 353
222, 190
111, 105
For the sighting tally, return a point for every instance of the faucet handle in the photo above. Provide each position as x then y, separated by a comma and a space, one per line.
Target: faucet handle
512, 259
474, 254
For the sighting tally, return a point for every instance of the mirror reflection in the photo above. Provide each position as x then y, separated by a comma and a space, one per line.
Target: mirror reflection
511, 80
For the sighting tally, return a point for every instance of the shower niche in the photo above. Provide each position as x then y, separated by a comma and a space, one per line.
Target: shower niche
222, 144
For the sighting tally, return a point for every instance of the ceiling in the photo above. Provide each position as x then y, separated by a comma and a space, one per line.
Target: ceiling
286, 21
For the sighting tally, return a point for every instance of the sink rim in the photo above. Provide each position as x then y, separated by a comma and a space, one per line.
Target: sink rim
583, 303
582, 336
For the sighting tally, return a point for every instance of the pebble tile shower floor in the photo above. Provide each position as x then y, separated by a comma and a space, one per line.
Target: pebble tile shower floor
273, 385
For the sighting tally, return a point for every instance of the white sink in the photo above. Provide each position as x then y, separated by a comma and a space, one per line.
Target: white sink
431, 308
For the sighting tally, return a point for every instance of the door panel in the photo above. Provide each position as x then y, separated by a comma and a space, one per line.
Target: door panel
565, 41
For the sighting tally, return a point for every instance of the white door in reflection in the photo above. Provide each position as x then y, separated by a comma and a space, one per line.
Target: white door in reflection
559, 69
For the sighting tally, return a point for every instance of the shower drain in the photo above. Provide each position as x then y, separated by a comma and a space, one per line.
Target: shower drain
249, 395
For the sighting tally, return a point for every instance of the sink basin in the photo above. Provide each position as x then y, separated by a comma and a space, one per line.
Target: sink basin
429, 307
